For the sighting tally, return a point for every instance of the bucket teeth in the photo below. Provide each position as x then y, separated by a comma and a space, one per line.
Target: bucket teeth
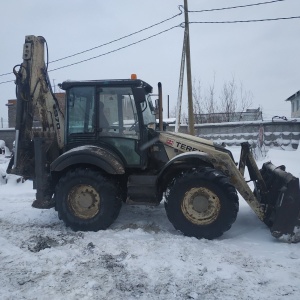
288, 238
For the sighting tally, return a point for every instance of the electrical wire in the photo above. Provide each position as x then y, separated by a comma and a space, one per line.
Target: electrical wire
241, 21
164, 31
113, 41
5, 74
119, 39
2, 82
109, 52
115, 50
233, 7
168, 19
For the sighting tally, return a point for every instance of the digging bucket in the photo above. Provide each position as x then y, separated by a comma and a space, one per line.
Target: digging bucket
283, 202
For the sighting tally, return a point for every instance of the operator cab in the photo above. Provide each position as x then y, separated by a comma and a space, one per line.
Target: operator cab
115, 114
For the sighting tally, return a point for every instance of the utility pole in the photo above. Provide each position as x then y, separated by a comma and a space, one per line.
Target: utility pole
180, 85
189, 71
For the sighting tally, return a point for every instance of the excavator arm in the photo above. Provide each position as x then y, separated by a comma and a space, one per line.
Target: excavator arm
38, 113
39, 120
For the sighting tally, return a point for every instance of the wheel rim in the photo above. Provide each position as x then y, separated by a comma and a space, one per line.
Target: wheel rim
84, 201
201, 206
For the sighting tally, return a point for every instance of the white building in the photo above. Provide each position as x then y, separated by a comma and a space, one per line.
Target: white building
295, 104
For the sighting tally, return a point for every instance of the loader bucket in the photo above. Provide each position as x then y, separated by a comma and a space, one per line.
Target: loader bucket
282, 202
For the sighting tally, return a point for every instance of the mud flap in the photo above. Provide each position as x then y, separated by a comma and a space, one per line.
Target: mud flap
283, 204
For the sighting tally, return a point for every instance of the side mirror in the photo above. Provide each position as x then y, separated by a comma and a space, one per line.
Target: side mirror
139, 94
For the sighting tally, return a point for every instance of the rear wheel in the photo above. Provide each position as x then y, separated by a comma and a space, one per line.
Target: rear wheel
202, 203
86, 200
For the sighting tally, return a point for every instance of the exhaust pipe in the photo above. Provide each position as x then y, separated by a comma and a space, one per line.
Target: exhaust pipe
160, 104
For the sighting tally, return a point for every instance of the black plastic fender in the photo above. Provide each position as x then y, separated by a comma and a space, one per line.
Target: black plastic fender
180, 162
92, 155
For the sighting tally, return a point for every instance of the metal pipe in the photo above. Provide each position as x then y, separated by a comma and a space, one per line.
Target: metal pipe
160, 108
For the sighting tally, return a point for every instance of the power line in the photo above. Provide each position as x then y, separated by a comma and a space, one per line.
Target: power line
161, 32
233, 7
115, 50
5, 74
113, 41
156, 24
116, 40
242, 21
109, 52
2, 82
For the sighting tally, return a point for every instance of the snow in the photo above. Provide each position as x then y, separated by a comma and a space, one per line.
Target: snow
258, 122
4, 150
141, 256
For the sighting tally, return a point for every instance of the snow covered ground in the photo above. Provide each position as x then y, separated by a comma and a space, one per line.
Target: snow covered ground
141, 256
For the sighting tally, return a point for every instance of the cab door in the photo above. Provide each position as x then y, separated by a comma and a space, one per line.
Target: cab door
80, 116
118, 124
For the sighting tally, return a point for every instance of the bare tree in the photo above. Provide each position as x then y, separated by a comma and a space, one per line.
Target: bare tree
229, 105
228, 99
245, 99
210, 103
197, 100
183, 117
235, 100
205, 106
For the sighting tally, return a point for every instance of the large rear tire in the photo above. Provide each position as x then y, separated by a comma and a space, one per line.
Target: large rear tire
202, 203
86, 200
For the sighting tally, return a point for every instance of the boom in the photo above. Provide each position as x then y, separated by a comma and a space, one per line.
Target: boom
34, 96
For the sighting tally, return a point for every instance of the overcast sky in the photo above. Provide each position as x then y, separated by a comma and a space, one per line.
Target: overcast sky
264, 56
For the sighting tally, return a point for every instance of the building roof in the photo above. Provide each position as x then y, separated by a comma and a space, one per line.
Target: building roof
297, 94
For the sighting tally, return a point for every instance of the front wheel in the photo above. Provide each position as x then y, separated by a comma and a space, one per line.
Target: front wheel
202, 203
86, 200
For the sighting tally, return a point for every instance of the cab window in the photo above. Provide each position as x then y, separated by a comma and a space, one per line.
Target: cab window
80, 111
117, 112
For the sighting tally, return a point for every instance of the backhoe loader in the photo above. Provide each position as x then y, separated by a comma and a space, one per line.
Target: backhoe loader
105, 148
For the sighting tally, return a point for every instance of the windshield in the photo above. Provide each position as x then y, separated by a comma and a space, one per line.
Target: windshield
148, 110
